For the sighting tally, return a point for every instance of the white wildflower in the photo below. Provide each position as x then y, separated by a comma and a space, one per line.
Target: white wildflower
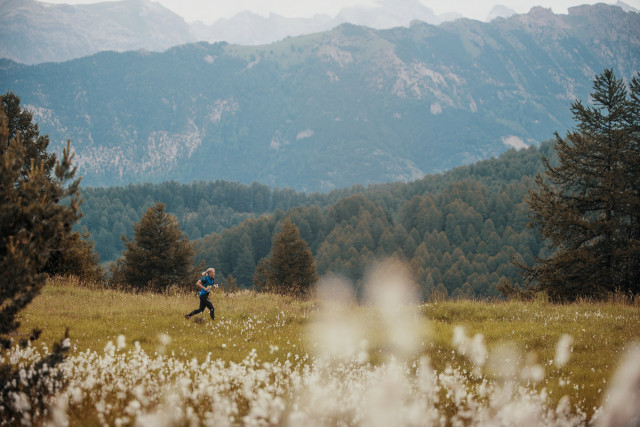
66, 344
21, 402
533, 373
389, 286
121, 342
474, 348
109, 349
563, 350
132, 408
164, 340
59, 416
622, 407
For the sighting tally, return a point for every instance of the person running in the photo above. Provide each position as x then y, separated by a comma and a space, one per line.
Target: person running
205, 284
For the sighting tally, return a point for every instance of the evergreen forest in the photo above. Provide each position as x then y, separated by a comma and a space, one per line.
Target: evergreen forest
458, 231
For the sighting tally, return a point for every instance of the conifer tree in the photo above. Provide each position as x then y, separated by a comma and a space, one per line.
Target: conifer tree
38, 206
76, 256
158, 256
20, 123
74, 253
588, 206
32, 221
290, 268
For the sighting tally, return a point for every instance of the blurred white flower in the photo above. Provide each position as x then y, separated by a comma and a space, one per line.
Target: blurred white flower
502, 362
533, 373
59, 409
388, 285
474, 349
164, 339
110, 349
563, 350
338, 330
622, 407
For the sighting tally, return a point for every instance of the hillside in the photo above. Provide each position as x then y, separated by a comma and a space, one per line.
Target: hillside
458, 233
348, 106
457, 230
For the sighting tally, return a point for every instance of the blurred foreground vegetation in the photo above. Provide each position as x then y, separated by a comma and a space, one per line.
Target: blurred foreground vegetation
279, 328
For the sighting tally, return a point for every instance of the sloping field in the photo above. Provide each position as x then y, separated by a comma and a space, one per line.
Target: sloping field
272, 360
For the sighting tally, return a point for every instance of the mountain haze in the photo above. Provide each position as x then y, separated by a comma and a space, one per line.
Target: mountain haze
330, 109
33, 32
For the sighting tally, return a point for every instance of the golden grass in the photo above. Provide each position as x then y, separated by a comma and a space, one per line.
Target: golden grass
601, 332
277, 327
94, 316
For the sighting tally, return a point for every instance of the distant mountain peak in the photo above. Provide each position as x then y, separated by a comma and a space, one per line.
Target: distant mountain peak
500, 11
59, 32
626, 7
326, 110
541, 17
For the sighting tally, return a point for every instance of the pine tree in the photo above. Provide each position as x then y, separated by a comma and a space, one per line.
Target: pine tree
33, 218
244, 264
20, 123
587, 207
158, 256
290, 268
76, 256
74, 253
32, 221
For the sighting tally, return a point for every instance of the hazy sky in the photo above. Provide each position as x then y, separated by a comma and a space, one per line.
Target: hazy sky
210, 10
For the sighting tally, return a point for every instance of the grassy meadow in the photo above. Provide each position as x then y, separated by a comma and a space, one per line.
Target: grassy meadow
274, 360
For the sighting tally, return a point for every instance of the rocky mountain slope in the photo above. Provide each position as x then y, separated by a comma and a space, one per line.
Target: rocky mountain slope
33, 32
348, 106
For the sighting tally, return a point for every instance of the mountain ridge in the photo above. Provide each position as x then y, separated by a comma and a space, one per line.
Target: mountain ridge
34, 32
353, 105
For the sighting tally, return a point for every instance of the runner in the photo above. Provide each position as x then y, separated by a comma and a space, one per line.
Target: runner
205, 284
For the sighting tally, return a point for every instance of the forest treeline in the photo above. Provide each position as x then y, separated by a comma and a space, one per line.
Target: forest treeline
201, 208
458, 231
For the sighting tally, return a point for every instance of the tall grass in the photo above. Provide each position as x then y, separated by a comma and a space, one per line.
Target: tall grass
273, 360
97, 315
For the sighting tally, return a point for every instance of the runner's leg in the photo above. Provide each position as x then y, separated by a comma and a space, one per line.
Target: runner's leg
211, 309
203, 304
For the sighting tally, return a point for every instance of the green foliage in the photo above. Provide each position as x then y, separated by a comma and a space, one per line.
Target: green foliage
159, 255
588, 207
20, 123
477, 208
201, 208
76, 256
33, 220
290, 268
456, 230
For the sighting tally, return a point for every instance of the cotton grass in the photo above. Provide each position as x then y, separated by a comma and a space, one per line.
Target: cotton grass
362, 365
